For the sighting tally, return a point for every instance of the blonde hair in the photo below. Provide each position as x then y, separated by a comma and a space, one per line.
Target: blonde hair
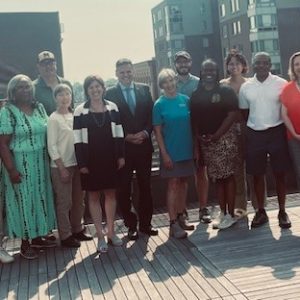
291, 71
163, 75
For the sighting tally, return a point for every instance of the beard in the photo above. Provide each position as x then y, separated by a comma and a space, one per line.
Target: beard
183, 71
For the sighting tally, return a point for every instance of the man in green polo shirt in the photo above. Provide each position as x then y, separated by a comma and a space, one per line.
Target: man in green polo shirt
47, 81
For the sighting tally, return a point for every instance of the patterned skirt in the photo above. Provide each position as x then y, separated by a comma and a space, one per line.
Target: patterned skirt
221, 157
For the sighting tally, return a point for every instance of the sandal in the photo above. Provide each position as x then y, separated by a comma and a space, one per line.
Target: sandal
102, 246
28, 252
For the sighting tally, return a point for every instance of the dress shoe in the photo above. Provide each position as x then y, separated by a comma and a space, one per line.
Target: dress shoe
70, 242
132, 234
183, 223
41, 242
284, 220
82, 236
259, 219
149, 231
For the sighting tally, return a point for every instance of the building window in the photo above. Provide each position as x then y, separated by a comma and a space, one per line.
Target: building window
160, 31
236, 27
175, 19
276, 69
159, 15
252, 22
222, 10
235, 5
155, 34
224, 30
154, 18
202, 9
177, 44
266, 20
270, 45
205, 42
204, 24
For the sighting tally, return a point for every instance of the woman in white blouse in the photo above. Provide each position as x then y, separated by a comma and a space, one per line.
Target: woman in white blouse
64, 171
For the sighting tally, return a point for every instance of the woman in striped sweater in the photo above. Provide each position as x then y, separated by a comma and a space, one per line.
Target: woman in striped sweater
100, 154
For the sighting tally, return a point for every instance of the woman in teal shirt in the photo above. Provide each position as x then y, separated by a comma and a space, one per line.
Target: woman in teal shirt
171, 121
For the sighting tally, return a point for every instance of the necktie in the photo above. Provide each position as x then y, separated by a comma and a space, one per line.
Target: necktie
130, 100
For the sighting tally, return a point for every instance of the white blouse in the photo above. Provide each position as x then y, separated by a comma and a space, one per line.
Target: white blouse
61, 139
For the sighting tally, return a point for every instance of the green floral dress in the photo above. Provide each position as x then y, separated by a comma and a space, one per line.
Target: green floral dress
29, 204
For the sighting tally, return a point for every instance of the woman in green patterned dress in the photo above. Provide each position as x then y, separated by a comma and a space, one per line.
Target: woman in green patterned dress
25, 174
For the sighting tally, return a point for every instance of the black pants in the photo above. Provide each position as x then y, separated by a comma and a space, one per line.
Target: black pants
142, 165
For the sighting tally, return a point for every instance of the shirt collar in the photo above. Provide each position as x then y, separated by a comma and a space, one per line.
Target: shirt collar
123, 87
265, 81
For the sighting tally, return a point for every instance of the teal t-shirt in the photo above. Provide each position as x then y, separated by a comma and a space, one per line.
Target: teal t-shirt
173, 114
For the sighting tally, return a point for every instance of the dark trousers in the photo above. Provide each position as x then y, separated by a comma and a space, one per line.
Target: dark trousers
142, 165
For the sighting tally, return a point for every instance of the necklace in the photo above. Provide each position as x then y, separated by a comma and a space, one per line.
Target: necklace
102, 122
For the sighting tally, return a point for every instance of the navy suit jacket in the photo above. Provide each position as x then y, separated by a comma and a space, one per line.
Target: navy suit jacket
140, 120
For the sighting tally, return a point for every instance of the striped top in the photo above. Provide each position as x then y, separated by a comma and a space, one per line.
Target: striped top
80, 130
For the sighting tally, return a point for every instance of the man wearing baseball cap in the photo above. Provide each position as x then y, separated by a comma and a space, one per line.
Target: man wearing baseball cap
47, 80
187, 84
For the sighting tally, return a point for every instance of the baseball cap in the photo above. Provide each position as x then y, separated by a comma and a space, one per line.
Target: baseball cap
45, 55
183, 54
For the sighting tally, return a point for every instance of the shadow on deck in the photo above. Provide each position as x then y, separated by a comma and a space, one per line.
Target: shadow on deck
237, 263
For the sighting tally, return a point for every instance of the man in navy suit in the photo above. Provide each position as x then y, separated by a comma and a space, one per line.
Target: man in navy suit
135, 105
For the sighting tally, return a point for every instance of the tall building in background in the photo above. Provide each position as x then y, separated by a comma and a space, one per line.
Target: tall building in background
261, 25
22, 37
192, 25
145, 72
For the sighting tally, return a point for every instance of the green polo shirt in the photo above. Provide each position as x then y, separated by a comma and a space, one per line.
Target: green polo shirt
44, 93
189, 86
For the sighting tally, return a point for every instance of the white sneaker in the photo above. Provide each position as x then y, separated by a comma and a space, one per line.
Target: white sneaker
218, 220
176, 231
227, 222
5, 258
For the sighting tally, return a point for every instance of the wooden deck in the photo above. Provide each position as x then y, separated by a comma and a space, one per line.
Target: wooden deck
237, 263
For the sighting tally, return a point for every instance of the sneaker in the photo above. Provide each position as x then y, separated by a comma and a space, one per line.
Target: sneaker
204, 215
41, 242
284, 220
28, 252
102, 246
259, 219
176, 231
5, 258
115, 241
218, 220
226, 222
183, 223
70, 242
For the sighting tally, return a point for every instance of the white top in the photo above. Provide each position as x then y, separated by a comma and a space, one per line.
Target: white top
262, 100
61, 139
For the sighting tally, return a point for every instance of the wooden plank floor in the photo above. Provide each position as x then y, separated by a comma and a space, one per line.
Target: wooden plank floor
236, 263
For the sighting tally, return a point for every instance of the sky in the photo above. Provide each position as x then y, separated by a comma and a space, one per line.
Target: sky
96, 33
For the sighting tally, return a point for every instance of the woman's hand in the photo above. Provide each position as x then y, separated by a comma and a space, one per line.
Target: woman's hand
84, 170
121, 163
167, 161
15, 176
64, 175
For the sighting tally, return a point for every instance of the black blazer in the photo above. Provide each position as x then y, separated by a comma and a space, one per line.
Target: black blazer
140, 120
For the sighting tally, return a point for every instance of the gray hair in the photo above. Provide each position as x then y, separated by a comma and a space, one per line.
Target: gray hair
11, 86
262, 53
163, 75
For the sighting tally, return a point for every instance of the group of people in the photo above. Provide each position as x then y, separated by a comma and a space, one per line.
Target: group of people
204, 127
